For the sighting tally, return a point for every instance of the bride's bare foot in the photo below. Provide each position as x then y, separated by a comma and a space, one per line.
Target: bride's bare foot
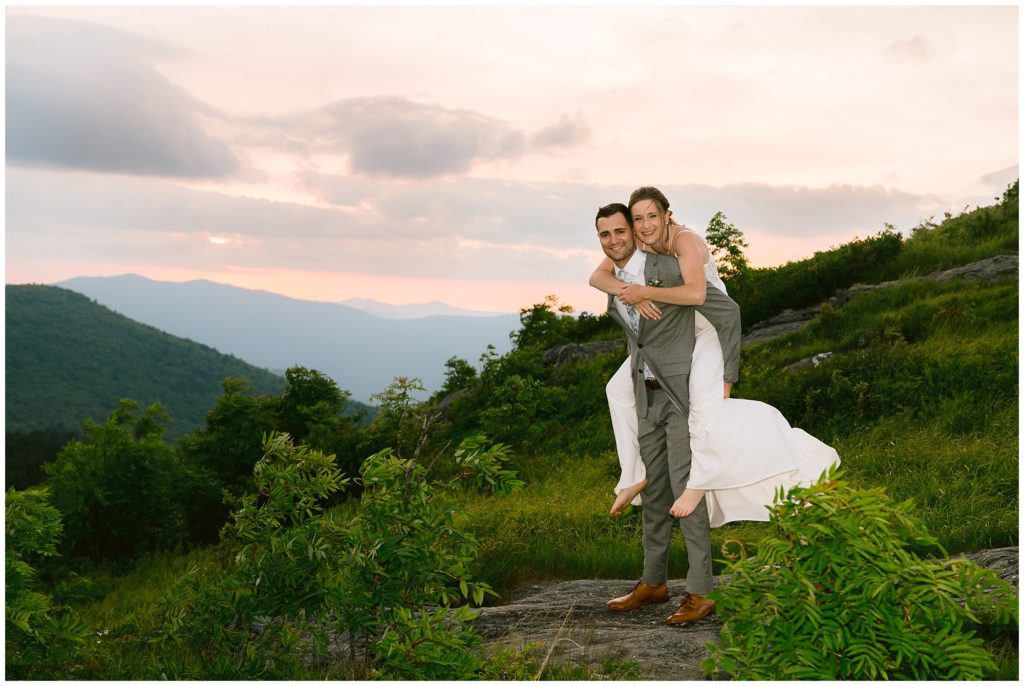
625, 497
686, 503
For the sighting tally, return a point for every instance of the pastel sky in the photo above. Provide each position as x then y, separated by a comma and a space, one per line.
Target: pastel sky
413, 153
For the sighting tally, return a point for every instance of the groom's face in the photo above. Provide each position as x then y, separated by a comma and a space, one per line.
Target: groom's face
616, 238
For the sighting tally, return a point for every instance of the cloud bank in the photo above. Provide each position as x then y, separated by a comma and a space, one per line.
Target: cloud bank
465, 229
83, 96
396, 137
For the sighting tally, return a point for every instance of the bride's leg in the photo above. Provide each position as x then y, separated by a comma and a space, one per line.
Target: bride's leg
686, 503
705, 385
625, 496
622, 405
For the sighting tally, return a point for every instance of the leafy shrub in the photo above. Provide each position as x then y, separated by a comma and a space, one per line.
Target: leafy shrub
408, 552
544, 324
516, 406
281, 552
839, 594
40, 640
121, 489
388, 581
311, 410
283, 546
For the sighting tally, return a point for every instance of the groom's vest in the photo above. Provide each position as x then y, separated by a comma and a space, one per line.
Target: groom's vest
666, 344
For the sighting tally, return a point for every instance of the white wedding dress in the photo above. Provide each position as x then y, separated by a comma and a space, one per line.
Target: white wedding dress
743, 450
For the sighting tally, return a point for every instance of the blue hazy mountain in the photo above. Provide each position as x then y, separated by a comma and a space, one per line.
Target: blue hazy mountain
412, 310
362, 352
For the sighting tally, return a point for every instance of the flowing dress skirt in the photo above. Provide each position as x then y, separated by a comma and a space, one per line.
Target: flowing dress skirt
743, 450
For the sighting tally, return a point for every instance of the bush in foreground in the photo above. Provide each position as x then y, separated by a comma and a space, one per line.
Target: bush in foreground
38, 636
840, 594
385, 589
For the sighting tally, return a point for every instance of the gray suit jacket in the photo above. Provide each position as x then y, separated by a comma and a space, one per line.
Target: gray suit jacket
666, 344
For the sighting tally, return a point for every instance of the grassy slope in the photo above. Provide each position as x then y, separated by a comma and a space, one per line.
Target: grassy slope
69, 359
921, 397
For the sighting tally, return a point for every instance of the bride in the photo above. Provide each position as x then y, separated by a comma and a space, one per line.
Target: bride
743, 450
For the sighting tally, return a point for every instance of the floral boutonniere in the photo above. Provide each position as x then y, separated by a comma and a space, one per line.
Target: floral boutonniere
654, 283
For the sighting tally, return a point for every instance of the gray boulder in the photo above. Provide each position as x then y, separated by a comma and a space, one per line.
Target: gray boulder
989, 271
570, 619
574, 352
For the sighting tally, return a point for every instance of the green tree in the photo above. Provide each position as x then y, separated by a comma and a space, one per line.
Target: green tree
41, 640
310, 410
310, 405
122, 489
839, 593
460, 375
234, 428
727, 245
544, 324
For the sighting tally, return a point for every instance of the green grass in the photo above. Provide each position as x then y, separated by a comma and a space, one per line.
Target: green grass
964, 485
920, 397
127, 612
559, 528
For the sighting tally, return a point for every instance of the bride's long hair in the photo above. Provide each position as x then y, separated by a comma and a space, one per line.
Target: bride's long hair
664, 244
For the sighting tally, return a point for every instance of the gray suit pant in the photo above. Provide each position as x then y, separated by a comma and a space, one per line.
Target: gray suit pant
665, 450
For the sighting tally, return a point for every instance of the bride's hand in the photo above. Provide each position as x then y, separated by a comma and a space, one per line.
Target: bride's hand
633, 294
648, 310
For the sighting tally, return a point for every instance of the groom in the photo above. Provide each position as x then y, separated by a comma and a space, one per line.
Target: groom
661, 351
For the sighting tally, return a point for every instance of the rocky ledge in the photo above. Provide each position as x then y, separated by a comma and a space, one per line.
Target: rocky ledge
989, 271
570, 619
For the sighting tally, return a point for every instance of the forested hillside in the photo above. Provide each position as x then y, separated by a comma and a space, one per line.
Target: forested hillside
69, 359
333, 539
362, 352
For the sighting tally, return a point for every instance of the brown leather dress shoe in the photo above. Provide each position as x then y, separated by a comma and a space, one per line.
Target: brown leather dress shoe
692, 608
642, 594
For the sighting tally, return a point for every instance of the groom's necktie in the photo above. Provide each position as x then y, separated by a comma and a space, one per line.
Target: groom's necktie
633, 315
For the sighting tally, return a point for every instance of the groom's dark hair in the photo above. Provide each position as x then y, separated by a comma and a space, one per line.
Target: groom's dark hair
610, 210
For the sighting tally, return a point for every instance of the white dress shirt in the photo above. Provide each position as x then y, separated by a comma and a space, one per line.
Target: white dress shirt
632, 272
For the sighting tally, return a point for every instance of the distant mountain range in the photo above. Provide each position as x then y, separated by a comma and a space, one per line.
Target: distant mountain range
412, 311
69, 359
361, 352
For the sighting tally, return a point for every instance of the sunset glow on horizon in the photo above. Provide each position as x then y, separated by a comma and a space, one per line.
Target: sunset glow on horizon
411, 154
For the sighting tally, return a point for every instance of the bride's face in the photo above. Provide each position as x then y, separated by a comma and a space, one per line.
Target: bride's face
649, 222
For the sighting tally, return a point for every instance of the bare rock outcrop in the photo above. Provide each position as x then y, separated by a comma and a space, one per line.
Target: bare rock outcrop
989, 271
1003, 561
573, 616
574, 352
812, 361
779, 325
